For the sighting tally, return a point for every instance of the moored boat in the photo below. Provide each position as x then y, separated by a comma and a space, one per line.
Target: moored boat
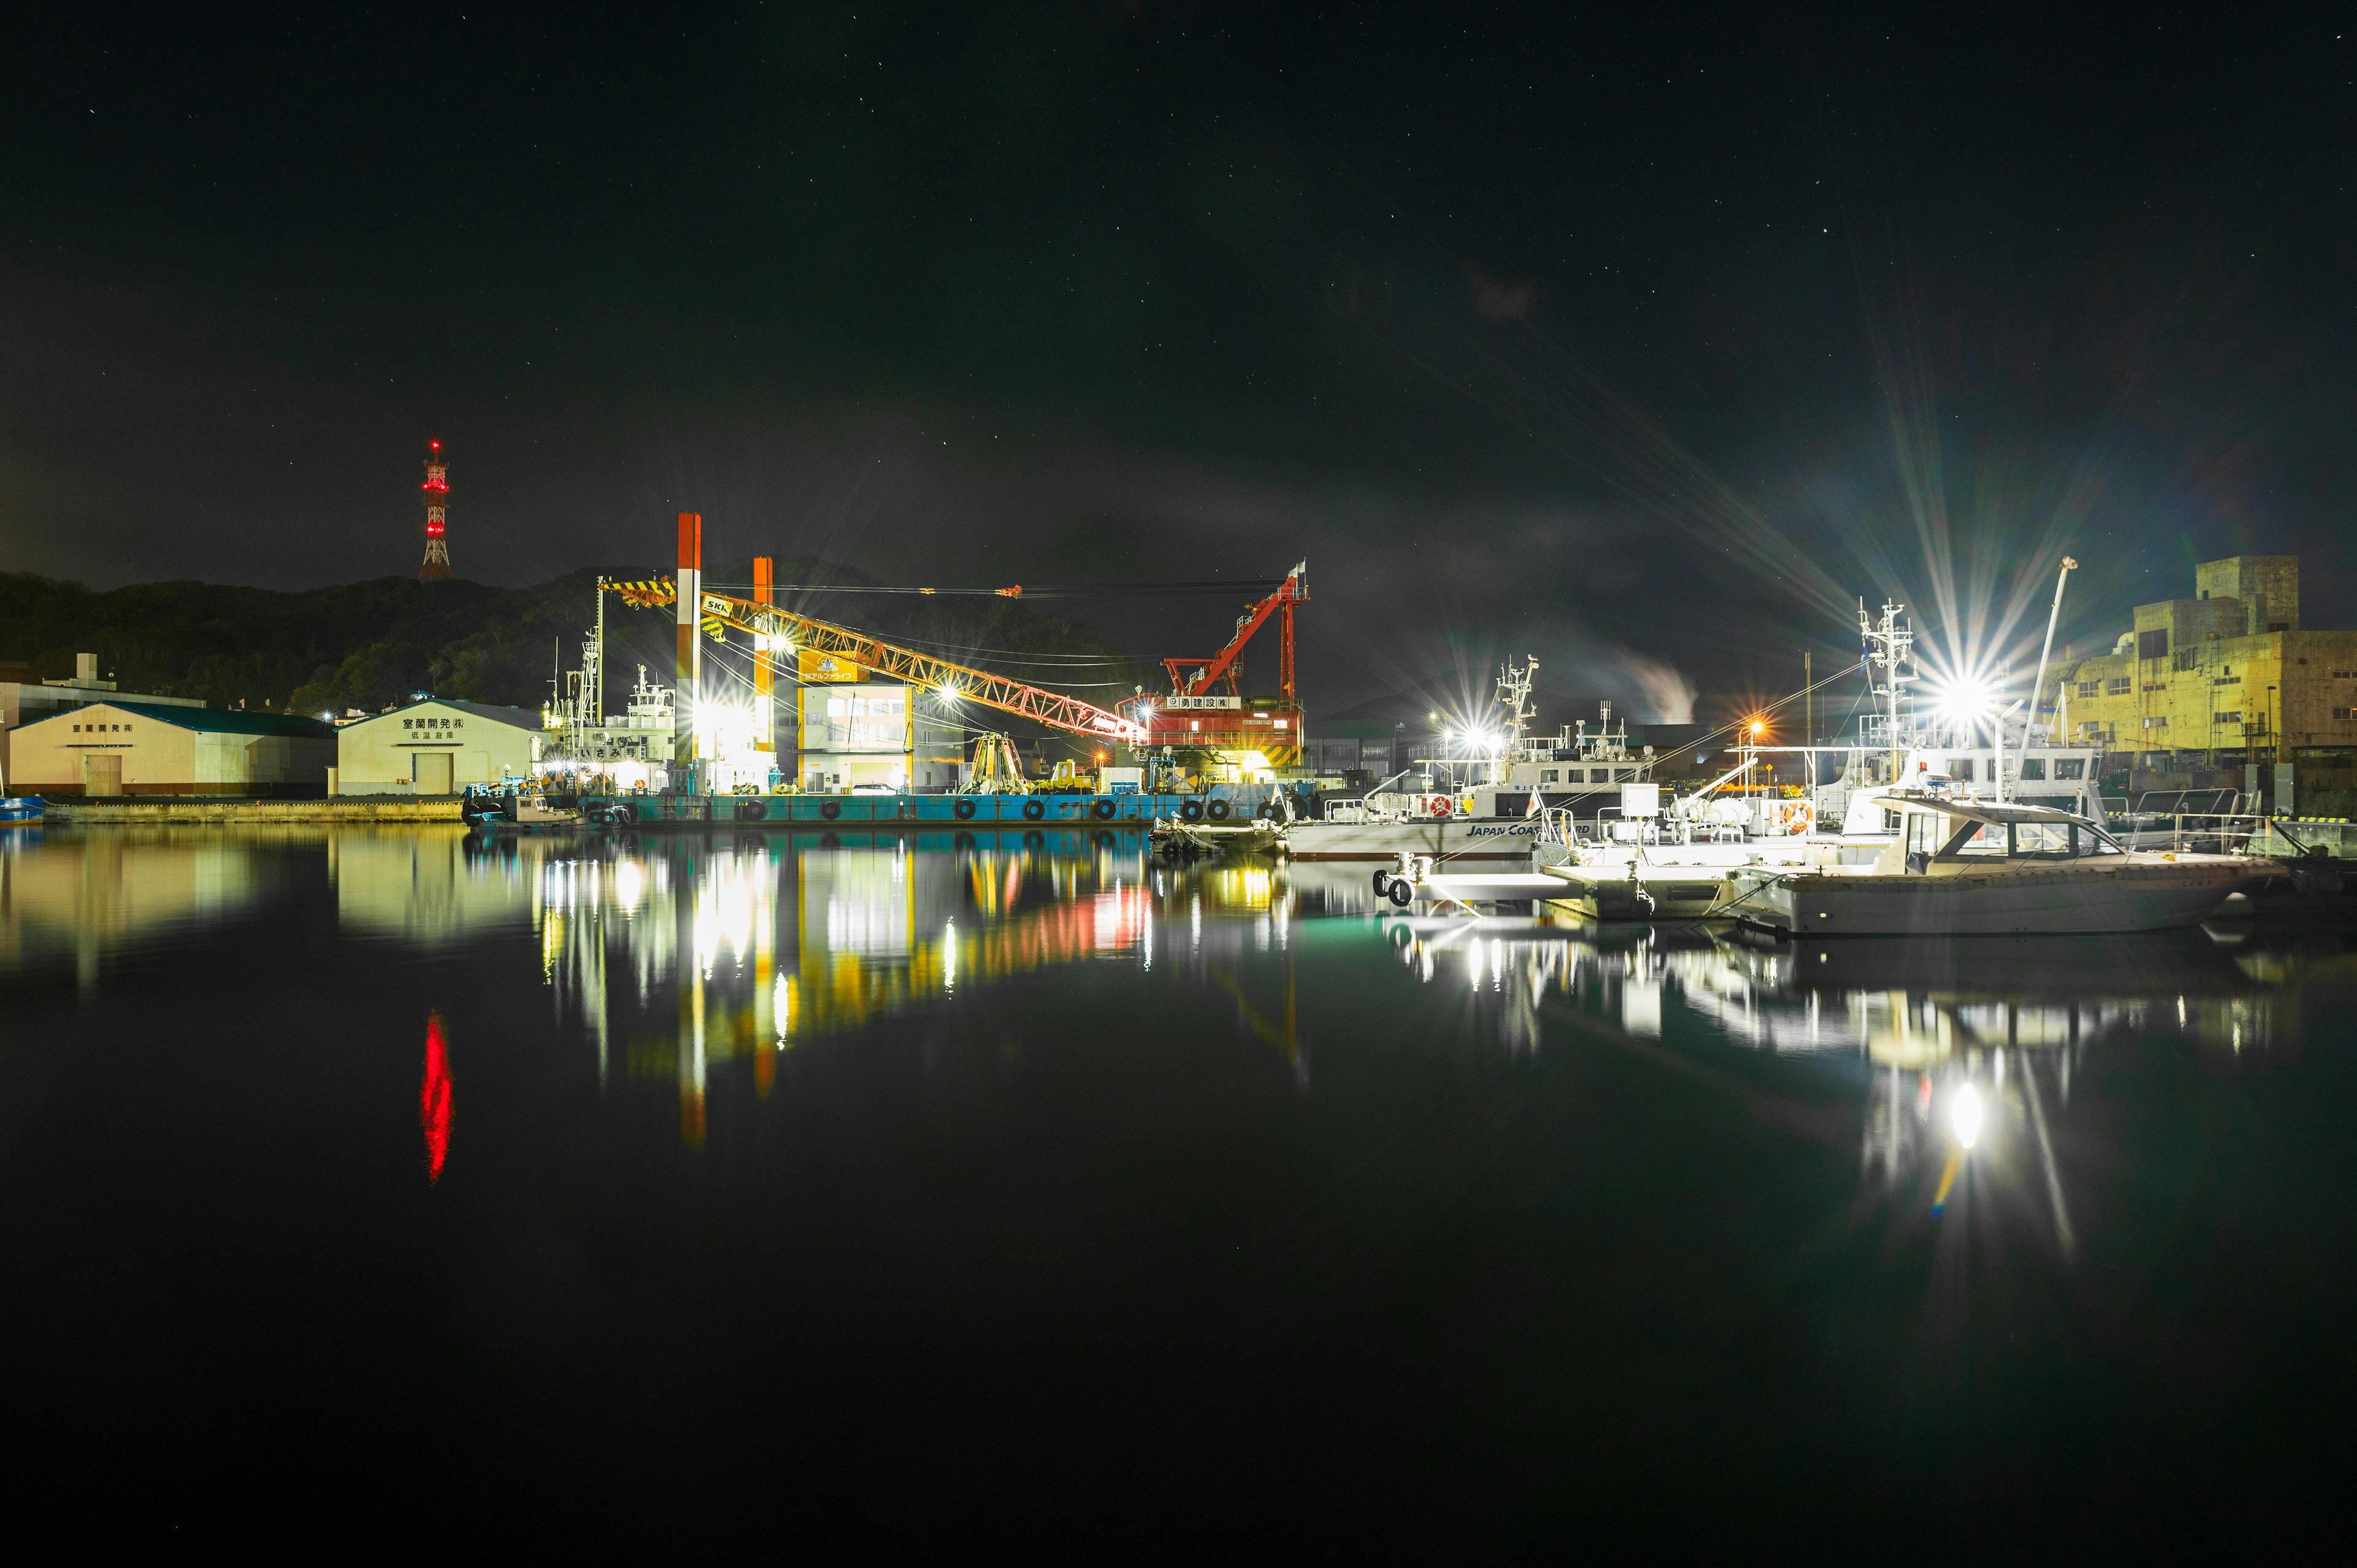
1963, 867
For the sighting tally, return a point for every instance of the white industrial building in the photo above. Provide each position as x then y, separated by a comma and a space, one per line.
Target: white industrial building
859, 733
436, 746
152, 748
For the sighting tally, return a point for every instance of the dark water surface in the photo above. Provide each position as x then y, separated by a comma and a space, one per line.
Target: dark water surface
657, 1189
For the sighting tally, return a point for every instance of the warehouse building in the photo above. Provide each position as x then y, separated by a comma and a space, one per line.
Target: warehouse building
25, 698
153, 749
436, 746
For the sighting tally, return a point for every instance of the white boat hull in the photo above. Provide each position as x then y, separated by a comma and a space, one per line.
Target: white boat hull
1444, 839
2012, 902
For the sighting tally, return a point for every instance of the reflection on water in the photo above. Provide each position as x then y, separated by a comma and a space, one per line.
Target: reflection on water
789, 944
1903, 1005
1050, 1149
679, 957
434, 1099
84, 895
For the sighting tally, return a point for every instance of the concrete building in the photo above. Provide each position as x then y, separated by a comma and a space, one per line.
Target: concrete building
436, 746
26, 697
114, 747
2227, 677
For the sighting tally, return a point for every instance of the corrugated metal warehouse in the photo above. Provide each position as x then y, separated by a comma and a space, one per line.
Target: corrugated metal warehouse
149, 748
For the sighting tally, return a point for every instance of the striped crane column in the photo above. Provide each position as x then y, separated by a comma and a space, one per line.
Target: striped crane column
690, 650
765, 730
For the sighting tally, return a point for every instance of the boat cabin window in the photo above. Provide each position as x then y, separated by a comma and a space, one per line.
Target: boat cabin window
1923, 832
1938, 837
2033, 767
2070, 767
2043, 840
1960, 769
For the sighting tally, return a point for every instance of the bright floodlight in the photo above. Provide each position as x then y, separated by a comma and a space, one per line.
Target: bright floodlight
1965, 1111
1967, 698
1758, 726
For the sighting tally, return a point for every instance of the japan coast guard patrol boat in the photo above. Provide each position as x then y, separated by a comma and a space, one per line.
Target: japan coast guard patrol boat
1487, 804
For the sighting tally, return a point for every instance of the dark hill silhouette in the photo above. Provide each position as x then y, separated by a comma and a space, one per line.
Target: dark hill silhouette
365, 645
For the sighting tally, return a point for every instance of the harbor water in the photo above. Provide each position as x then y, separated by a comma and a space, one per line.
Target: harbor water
1028, 1192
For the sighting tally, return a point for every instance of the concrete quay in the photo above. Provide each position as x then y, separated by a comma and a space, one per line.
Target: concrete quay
244, 811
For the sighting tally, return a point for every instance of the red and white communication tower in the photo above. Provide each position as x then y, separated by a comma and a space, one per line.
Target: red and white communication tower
437, 496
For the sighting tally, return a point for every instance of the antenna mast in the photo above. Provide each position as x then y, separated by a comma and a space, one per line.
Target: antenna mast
1888, 645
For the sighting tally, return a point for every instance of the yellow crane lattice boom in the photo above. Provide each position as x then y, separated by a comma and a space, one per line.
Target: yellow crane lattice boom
791, 632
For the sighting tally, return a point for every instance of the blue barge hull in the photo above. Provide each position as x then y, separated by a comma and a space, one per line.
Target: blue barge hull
971, 813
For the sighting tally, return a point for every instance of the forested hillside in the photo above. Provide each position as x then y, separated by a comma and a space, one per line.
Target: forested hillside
365, 645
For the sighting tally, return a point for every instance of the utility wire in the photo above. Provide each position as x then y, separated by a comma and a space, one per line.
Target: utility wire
1070, 591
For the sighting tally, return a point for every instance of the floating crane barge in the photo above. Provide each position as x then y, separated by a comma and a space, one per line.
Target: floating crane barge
1256, 734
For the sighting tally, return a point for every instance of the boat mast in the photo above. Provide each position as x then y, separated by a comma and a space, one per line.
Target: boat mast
1515, 697
1886, 643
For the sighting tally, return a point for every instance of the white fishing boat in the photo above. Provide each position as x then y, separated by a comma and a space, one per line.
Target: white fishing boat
1967, 867
1960, 748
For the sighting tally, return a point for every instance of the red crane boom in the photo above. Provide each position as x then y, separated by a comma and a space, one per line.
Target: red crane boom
1294, 590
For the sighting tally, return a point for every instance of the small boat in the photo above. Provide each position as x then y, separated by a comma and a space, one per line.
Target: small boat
1181, 839
495, 810
1967, 868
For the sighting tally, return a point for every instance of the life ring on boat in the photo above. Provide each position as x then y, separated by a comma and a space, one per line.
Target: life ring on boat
1103, 810
1218, 810
1190, 810
1440, 805
830, 810
1034, 809
1795, 816
964, 809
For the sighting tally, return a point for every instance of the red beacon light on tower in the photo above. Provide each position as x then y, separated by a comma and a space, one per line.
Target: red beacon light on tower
437, 490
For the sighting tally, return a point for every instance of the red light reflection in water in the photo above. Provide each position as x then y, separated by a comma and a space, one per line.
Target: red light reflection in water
433, 1098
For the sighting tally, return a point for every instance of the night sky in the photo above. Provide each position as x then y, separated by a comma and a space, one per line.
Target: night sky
1642, 343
